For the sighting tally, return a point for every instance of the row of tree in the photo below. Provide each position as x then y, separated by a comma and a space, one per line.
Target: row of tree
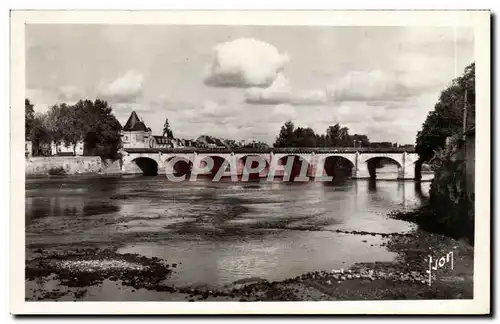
447, 118
336, 136
90, 122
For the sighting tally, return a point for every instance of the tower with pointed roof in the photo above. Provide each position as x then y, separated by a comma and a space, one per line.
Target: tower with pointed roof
135, 134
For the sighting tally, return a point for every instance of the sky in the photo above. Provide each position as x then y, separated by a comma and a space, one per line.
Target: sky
245, 82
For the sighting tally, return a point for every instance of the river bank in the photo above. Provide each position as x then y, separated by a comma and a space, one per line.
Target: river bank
91, 273
41, 166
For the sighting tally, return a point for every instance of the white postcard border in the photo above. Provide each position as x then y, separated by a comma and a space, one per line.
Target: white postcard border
479, 20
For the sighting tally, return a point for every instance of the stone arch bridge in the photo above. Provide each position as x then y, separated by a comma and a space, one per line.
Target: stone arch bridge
360, 163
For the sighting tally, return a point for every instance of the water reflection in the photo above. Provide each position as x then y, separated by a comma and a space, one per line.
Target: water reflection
372, 185
419, 193
222, 231
68, 197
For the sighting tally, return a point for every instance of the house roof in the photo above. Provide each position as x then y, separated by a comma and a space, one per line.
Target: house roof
210, 140
161, 140
134, 124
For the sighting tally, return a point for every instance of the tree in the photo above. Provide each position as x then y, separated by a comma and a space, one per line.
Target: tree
167, 131
74, 125
451, 207
321, 141
256, 145
286, 136
333, 135
344, 138
447, 117
360, 140
56, 118
101, 129
29, 116
39, 134
304, 137
381, 144
336, 136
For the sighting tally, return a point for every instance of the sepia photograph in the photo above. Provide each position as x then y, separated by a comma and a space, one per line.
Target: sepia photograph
213, 159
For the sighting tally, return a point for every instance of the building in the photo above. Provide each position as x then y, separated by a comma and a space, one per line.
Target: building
189, 143
64, 149
209, 142
407, 146
28, 148
177, 143
156, 141
135, 134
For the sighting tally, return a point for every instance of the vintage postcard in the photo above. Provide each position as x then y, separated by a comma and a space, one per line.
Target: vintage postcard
252, 162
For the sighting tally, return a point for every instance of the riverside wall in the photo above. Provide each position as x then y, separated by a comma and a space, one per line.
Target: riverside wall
72, 165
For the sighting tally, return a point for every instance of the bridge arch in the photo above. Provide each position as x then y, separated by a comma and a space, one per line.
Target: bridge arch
219, 162
299, 163
178, 165
338, 166
148, 166
242, 166
378, 162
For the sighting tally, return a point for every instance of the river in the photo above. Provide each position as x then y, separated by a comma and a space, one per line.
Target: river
219, 233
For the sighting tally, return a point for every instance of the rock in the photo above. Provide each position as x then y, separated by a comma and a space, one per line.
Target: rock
349, 276
328, 282
342, 270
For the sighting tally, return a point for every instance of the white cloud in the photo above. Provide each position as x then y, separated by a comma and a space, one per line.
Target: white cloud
41, 99
126, 88
373, 85
283, 112
208, 110
69, 93
281, 92
244, 62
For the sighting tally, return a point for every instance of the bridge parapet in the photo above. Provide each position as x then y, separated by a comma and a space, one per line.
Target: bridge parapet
289, 150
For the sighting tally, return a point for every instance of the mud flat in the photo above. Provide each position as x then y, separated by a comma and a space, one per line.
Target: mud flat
103, 274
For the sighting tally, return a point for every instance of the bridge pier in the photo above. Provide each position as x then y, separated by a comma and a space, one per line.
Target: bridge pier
360, 169
407, 171
361, 172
